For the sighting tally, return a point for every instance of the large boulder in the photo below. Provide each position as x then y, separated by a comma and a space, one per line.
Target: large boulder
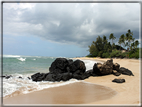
116, 66
66, 76
103, 69
62, 65
50, 77
77, 66
86, 75
59, 66
58, 77
125, 71
90, 72
77, 69
38, 76
115, 71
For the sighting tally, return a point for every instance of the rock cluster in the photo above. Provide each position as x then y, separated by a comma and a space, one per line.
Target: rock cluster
103, 69
125, 71
109, 67
62, 70
9, 76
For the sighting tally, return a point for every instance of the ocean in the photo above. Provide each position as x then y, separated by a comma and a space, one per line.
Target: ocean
25, 66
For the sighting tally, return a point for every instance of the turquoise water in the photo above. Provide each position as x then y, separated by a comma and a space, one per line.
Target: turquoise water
26, 64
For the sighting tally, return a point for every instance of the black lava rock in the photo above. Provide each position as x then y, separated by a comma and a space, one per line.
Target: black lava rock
66, 76
59, 65
77, 65
116, 73
50, 77
125, 71
38, 76
63, 69
7, 77
20, 77
103, 69
118, 80
116, 66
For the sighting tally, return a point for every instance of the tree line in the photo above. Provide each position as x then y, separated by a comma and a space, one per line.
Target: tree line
127, 47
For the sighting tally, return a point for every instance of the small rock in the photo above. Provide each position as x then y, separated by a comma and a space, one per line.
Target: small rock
20, 77
29, 78
7, 77
3, 76
118, 80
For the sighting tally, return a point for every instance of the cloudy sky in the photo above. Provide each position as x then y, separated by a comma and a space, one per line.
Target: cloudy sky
64, 29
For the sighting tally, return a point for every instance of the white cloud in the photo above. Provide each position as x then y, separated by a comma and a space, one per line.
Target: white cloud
17, 6
71, 23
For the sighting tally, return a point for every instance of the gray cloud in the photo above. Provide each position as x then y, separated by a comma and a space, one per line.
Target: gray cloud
71, 23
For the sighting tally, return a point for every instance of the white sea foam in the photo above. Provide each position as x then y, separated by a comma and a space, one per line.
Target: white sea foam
11, 56
89, 64
21, 59
24, 85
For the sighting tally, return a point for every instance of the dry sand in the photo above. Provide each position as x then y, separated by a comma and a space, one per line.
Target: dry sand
128, 92
104, 92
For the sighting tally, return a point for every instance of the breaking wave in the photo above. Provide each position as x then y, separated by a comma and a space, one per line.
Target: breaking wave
14, 85
27, 67
21, 59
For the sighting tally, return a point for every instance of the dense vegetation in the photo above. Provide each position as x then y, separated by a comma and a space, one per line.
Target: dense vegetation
127, 48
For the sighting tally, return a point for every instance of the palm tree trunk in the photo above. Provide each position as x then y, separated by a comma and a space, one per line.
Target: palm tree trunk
120, 47
112, 44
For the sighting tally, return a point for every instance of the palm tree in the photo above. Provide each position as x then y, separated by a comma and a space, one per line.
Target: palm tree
132, 46
105, 46
123, 39
129, 38
112, 37
120, 42
136, 43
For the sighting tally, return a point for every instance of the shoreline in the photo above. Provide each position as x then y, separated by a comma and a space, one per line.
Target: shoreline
128, 92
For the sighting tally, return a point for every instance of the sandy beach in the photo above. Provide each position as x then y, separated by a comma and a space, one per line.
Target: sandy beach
92, 91
128, 92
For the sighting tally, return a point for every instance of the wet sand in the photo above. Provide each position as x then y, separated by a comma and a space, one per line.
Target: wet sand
128, 93
75, 93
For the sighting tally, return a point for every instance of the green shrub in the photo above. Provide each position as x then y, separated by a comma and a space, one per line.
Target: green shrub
100, 54
89, 55
95, 54
134, 53
105, 55
124, 55
115, 53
